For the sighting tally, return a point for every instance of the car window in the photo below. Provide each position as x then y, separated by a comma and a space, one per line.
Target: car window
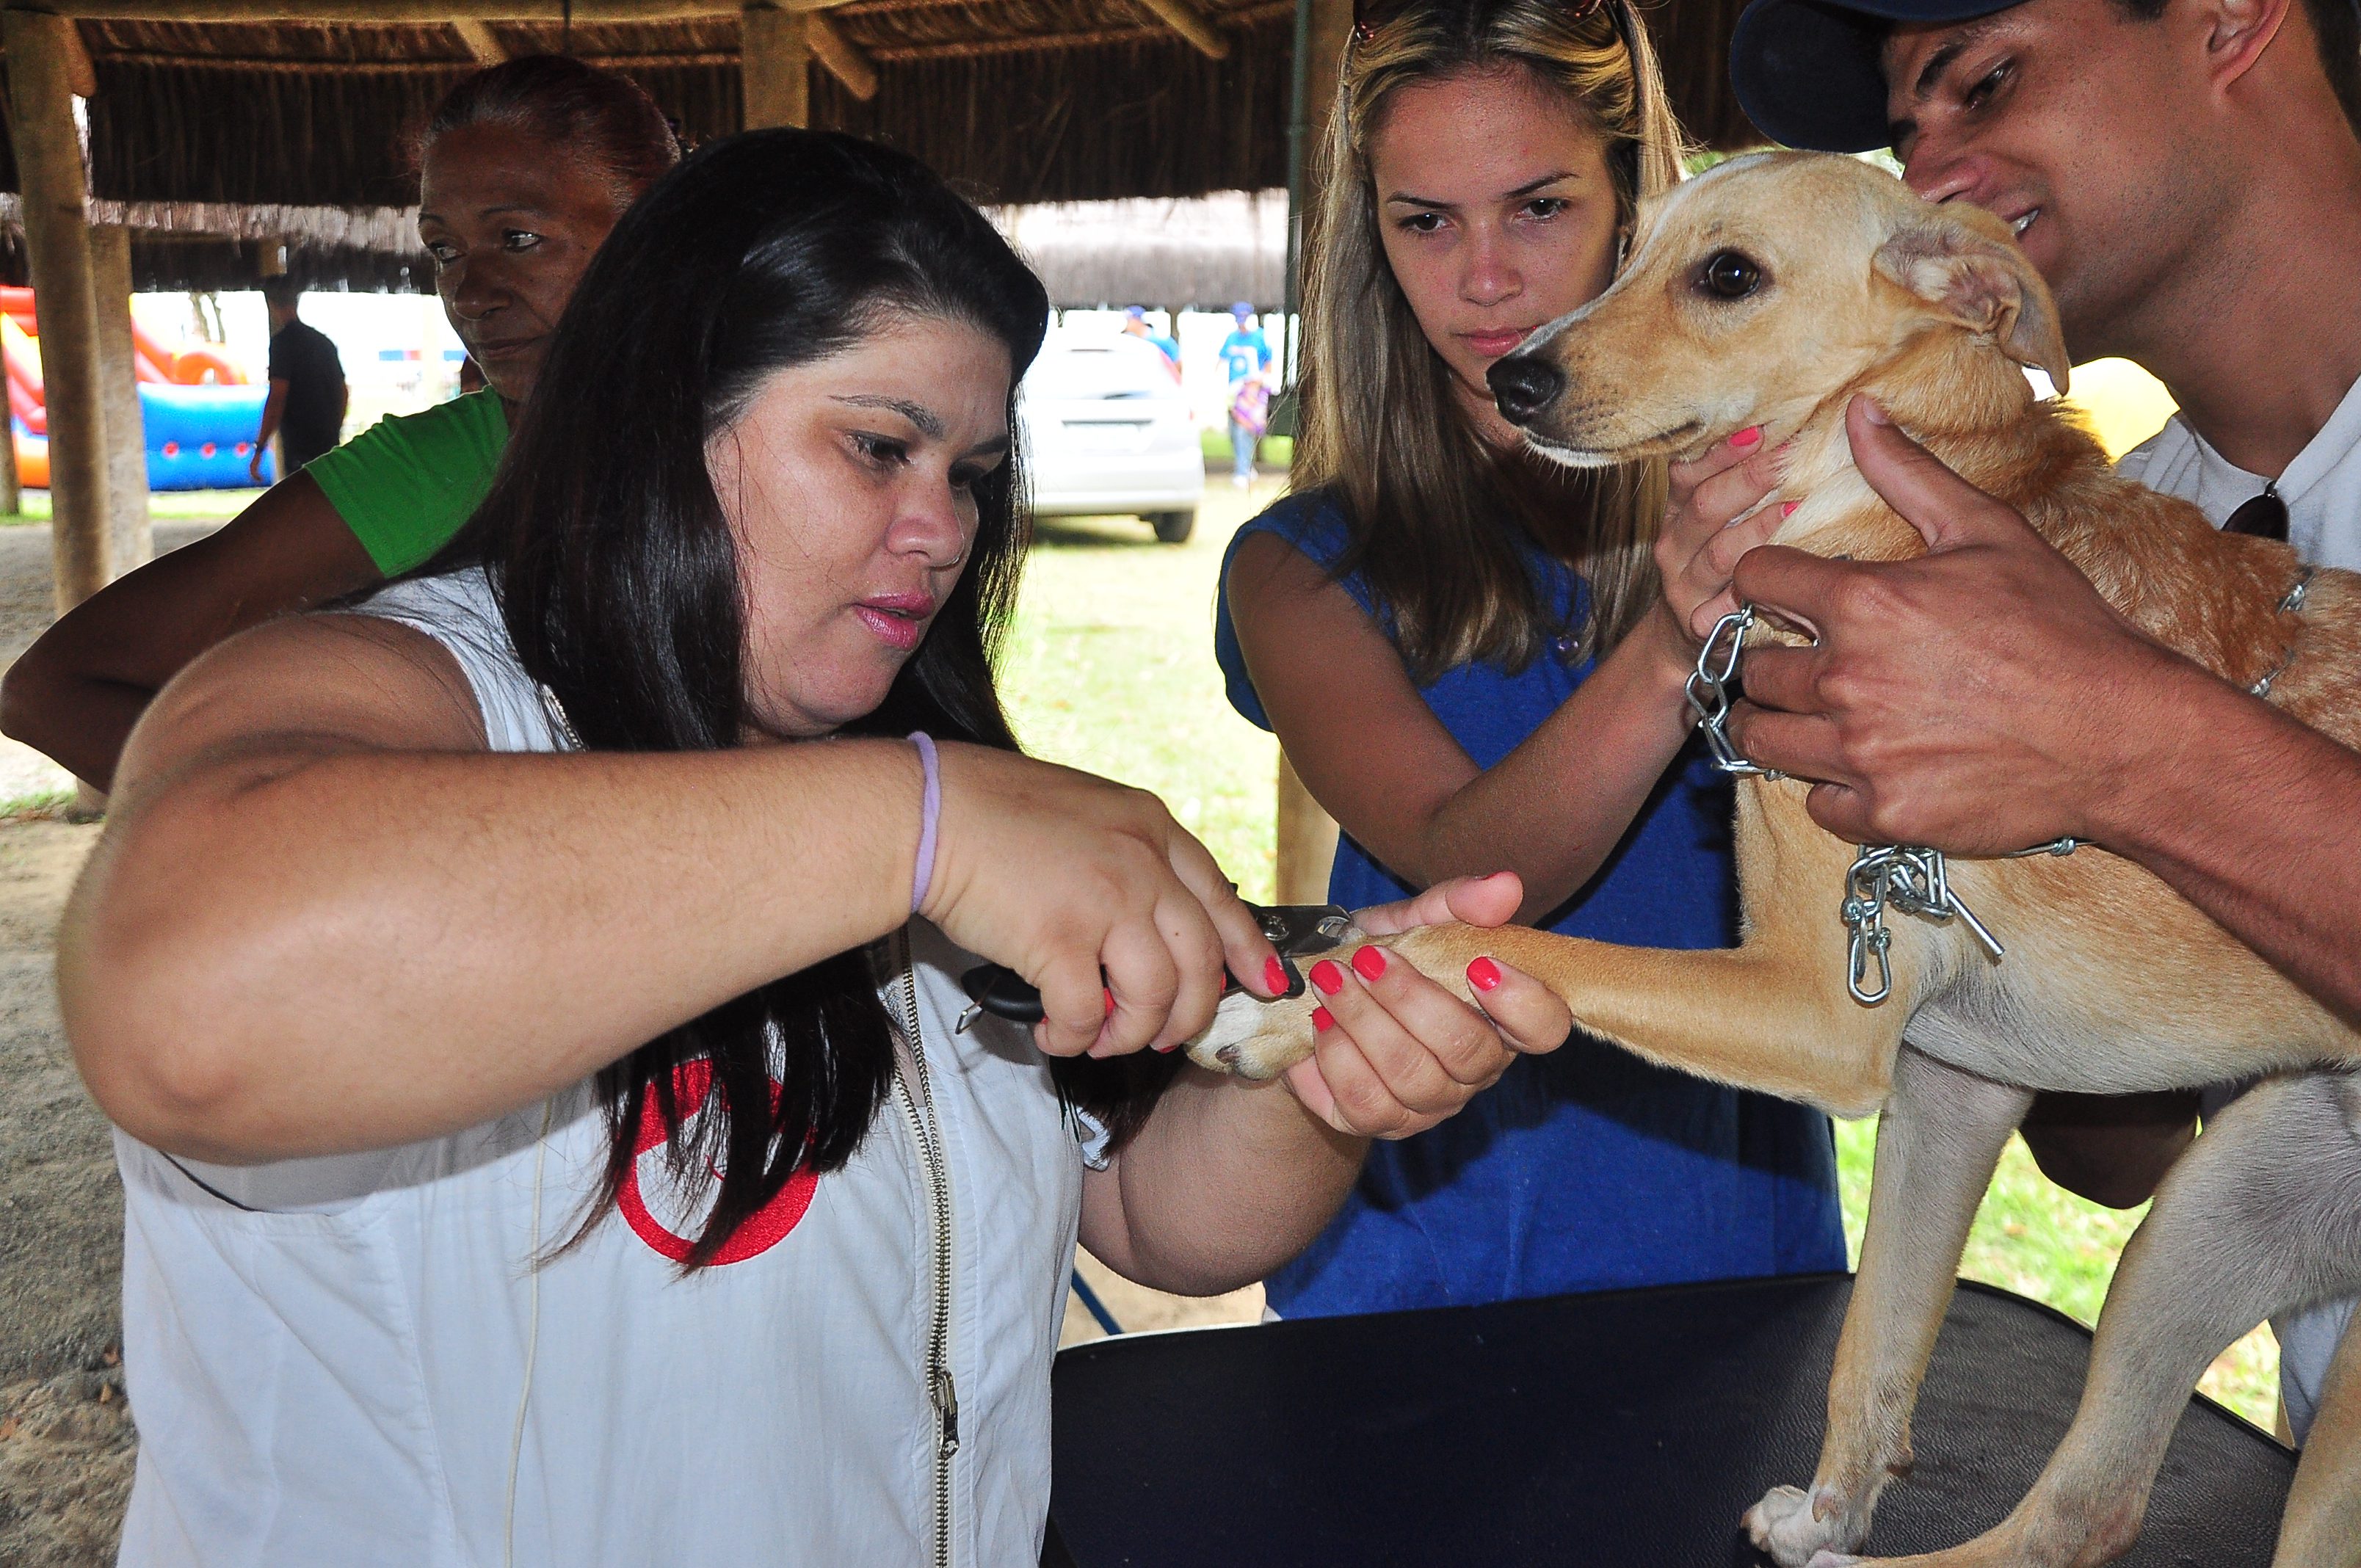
1121, 368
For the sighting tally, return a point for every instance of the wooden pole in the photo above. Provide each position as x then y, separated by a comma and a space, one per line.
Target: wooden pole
1185, 19
481, 41
774, 66
418, 13
12, 493
56, 242
846, 60
1306, 834
130, 539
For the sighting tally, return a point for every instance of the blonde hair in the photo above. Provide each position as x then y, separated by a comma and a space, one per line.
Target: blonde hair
1424, 498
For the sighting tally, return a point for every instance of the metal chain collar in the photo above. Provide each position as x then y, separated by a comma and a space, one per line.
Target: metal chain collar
2291, 604
1709, 691
1910, 878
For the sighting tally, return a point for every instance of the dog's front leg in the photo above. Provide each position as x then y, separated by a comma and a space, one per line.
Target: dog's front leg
1773, 1016
2261, 1214
1937, 1142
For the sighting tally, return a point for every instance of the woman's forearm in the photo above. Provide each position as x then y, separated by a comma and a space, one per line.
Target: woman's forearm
285, 954
1553, 809
1227, 1181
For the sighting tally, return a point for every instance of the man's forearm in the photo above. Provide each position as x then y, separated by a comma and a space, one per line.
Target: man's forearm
2256, 818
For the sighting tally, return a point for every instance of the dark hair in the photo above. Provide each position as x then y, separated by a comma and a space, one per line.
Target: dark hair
618, 579
2337, 37
280, 291
604, 119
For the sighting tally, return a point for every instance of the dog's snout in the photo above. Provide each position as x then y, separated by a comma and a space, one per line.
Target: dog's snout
1524, 385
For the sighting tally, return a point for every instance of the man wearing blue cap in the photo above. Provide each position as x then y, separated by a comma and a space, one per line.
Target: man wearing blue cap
2187, 175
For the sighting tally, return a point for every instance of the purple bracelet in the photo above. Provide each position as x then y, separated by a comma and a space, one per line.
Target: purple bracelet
931, 813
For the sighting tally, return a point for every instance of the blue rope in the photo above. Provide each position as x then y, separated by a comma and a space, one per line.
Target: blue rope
1092, 1305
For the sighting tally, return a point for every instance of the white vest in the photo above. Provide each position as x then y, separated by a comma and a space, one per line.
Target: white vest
2321, 488
350, 1360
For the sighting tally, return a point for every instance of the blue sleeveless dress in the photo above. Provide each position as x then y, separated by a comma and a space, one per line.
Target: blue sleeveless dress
1587, 1169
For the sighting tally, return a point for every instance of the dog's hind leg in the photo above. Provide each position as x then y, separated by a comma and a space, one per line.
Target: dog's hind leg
2263, 1213
2322, 1528
1936, 1144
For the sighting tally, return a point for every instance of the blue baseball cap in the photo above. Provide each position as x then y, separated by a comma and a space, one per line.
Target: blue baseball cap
1806, 71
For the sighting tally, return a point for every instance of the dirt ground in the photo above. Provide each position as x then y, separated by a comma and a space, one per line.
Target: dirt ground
66, 1436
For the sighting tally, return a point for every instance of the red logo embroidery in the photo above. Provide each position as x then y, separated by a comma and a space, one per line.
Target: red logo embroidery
648, 1178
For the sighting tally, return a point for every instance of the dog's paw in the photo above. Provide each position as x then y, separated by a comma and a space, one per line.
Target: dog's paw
1255, 1039
1802, 1529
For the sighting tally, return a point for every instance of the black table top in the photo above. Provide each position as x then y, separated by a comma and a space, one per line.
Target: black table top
1631, 1428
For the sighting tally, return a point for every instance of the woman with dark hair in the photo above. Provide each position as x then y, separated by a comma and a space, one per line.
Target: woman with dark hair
522, 169
529, 1003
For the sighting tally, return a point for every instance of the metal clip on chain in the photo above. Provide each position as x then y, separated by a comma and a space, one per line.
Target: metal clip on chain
1915, 882
1708, 692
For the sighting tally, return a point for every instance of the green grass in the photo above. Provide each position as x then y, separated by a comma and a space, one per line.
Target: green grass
163, 506
1110, 668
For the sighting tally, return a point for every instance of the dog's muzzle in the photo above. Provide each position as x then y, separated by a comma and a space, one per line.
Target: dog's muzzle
1523, 386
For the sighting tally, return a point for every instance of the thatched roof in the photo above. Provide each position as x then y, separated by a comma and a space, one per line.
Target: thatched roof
1205, 251
1019, 100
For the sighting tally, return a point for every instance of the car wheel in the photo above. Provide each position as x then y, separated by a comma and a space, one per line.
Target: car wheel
1173, 527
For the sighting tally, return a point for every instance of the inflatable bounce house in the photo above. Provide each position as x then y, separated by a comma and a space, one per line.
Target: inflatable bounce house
200, 412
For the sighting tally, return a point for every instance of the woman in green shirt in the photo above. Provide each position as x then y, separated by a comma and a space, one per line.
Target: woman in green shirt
522, 170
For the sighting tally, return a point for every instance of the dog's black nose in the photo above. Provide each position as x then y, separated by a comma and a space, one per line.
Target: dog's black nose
1523, 386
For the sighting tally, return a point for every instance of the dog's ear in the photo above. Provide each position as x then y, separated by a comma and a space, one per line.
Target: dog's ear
1984, 284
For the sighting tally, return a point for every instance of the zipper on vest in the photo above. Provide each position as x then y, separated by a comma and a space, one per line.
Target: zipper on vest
919, 1107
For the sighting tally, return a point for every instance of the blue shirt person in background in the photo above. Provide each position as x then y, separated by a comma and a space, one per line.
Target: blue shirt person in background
1475, 660
1134, 324
1246, 360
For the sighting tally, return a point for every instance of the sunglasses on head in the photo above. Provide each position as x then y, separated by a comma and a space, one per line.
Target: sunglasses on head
1368, 15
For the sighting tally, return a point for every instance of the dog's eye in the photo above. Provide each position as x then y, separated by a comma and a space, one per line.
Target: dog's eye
1727, 275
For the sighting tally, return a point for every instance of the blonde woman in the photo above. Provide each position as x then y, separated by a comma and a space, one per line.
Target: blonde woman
1475, 662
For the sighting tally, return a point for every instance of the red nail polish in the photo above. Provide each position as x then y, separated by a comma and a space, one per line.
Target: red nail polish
1484, 974
1322, 1020
1787, 508
1328, 977
1747, 437
1274, 975
1168, 1048
1110, 1001
1370, 962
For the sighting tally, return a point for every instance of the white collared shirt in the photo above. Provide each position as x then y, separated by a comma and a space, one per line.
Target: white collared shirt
2321, 488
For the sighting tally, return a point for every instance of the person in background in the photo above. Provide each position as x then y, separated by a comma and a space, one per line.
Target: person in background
1246, 360
2186, 174
1476, 659
308, 396
522, 169
1134, 324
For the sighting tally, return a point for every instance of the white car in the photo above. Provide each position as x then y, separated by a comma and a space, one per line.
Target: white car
1105, 428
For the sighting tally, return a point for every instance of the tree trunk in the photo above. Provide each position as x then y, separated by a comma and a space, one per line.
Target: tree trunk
56, 242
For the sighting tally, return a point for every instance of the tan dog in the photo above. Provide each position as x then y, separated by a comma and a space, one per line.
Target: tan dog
1769, 292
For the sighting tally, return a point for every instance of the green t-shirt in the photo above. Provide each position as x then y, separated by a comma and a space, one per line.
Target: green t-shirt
405, 486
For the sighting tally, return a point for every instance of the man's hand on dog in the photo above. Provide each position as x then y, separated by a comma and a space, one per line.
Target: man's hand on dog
1979, 699
1404, 1053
